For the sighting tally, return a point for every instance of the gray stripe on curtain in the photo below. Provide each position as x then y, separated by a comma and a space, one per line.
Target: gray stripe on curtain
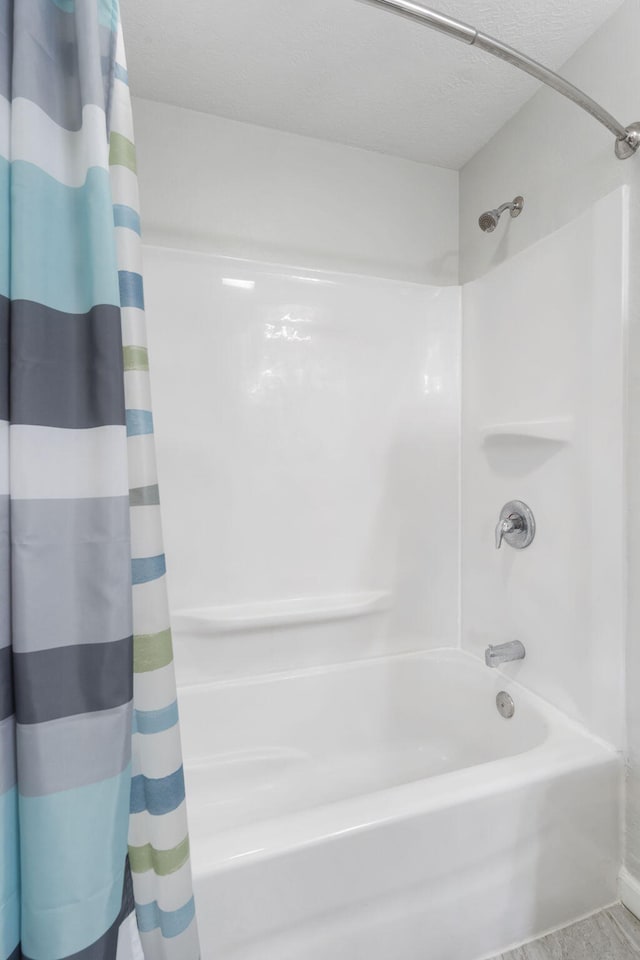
63, 370
74, 751
8, 754
5, 575
71, 572
6, 43
58, 683
145, 496
48, 68
6, 683
4, 358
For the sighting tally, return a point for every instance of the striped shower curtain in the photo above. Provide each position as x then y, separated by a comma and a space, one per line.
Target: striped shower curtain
92, 810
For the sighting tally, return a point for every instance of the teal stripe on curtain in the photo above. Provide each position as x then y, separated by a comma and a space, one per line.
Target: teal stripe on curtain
171, 922
126, 217
88, 868
5, 238
145, 569
9, 874
139, 423
158, 796
156, 721
62, 246
131, 292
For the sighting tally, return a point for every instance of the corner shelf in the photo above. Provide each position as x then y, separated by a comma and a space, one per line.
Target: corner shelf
555, 430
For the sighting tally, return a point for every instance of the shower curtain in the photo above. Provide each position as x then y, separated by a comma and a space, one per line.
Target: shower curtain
92, 808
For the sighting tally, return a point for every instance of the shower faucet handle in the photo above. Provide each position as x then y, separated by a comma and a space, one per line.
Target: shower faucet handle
508, 525
516, 525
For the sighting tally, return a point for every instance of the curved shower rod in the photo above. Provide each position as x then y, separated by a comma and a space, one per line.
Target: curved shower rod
627, 138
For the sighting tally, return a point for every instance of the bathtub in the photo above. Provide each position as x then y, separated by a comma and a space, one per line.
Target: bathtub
384, 810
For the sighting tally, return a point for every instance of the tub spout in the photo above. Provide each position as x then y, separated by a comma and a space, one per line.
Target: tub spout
504, 653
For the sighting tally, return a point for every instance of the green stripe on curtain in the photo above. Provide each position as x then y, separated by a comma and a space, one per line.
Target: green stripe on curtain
152, 652
136, 358
163, 862
122, 152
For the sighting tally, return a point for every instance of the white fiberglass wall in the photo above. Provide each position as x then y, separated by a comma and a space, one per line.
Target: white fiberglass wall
543, 420
308, 437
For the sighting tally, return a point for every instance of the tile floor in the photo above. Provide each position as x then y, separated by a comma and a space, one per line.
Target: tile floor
612, 934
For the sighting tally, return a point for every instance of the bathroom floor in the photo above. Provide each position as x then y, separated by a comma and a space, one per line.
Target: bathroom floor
612, 934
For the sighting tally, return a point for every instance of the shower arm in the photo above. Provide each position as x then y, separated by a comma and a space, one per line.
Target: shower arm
627, 138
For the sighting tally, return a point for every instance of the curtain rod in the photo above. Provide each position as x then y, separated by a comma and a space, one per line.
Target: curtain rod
627, 138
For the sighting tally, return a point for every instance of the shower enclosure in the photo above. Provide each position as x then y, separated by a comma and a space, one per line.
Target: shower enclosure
372, 380
334, 587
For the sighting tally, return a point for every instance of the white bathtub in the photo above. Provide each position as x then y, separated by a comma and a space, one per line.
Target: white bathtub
384, 810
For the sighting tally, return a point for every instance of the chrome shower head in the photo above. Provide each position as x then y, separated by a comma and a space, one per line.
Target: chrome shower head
489, 221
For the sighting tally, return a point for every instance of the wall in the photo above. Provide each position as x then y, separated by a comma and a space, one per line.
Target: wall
331, 461
562, 162
307, 427
245, 191
542, 411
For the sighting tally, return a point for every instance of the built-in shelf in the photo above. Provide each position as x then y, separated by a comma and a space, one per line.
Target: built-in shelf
552, 430
276, 613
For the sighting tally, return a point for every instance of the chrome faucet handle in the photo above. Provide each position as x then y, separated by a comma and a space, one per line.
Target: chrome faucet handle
516, 525
508, 525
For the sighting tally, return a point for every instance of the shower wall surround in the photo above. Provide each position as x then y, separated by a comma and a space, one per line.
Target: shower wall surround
329, 403
312, 453
548, 152
543, 404
314, 450
308, 433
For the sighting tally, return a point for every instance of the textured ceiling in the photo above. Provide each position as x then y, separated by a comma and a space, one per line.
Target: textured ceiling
344, 71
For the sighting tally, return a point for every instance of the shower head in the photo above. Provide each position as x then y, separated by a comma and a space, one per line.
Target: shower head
489, 221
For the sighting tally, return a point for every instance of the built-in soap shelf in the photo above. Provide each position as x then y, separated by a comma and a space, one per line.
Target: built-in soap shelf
556, 430
278, 613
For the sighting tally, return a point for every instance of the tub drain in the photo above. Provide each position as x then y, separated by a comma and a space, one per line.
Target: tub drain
505, 705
